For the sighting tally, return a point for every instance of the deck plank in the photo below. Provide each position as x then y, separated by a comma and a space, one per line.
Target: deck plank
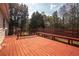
36, 46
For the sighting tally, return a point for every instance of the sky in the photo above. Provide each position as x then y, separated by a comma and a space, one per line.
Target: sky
48, 8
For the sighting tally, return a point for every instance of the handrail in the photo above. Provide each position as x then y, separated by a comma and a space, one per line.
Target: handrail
61, 36
70, 39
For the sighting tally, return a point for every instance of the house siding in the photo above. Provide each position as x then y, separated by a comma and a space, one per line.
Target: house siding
2, 31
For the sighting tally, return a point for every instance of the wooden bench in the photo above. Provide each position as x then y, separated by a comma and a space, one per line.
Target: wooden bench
53, 36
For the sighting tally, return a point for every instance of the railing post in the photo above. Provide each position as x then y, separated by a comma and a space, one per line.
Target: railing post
68, 41
71, 41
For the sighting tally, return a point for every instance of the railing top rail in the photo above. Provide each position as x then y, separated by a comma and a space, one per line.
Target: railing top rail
65, 37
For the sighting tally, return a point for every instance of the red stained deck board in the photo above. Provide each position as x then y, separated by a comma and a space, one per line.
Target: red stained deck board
36, 46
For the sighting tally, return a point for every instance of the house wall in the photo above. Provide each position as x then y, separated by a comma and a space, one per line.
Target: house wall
2, 31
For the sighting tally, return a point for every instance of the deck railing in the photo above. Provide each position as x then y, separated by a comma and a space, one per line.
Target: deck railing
69, 33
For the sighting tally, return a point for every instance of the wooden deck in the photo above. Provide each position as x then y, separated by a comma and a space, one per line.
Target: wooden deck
36, 46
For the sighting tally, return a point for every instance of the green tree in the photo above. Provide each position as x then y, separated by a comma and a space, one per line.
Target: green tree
55, 19
18, 16
51, 21
36, 21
